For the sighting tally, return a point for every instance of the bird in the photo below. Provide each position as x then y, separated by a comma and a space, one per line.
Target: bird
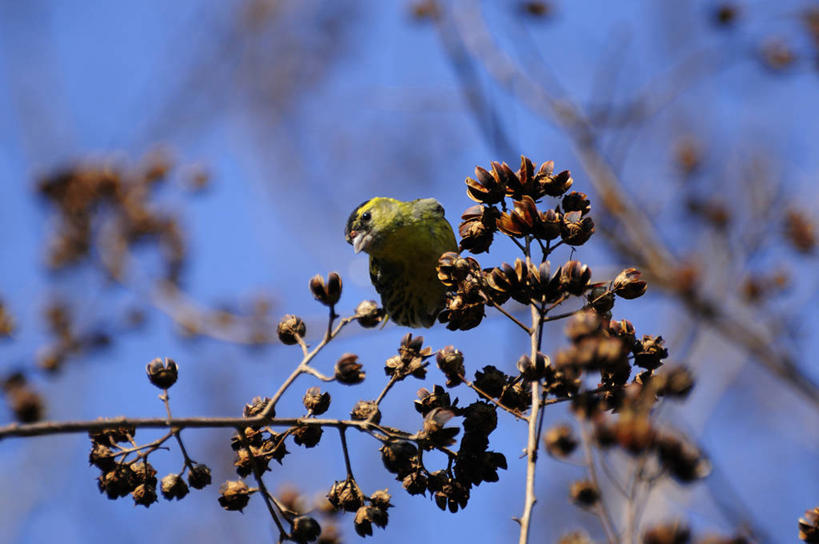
404, 241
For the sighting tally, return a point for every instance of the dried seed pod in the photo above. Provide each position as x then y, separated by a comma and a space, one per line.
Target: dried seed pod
162, 372
174, 487
478, 228
307, 435
305, 529
366, 410
256, 407
290, 329
489, 188
628, 284
144, 494
381, 499
199, 476
327, 292
809, 526
584, 493
560, 441
451, 362
346, 495
316, 401
399, 456
576, 229
234, 495
369, 314
348, 370
366, 517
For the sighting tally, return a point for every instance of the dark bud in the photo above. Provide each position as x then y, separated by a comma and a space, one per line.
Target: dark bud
453, 269
576, 229
346, 495
234, 495
174, 487
490, 380
307, 435
316, 401
366, 517
668, 533
560, 441
650, 352
574, 277
144, 494
415, 483
533, 370
199, 476
256, 407
489, 188
290, 329
366, 410
381, 499
348, 370
369, 314
676, 382
584, 494
628, 284
451, 362
576, 202
327, 292
399, 456
305, 529
162, 372
600, 298
809, 526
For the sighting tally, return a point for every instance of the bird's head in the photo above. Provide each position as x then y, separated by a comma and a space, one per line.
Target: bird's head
369, 223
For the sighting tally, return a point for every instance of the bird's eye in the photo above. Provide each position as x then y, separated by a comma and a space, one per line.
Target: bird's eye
365, 216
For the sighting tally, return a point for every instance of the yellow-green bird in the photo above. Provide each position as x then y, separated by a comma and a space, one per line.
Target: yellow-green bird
404, 241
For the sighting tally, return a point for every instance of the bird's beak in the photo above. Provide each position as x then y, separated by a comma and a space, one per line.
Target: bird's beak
361, 241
